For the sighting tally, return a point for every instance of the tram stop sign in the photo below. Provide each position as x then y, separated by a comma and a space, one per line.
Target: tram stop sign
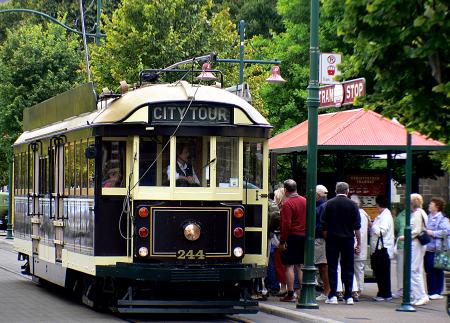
343, 93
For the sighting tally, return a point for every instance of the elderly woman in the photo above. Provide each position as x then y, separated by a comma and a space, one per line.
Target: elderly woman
419, 221
438, 228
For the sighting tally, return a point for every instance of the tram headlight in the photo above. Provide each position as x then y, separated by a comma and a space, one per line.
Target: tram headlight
143, 212
143, 252
192, 231
238, 252
238, 232
238, 212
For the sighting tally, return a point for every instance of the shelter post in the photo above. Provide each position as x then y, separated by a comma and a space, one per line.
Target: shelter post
406, 303
308, 293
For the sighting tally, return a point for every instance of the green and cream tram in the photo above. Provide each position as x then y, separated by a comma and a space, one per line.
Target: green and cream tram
154, 200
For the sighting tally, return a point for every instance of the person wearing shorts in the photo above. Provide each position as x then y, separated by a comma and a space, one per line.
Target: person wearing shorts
320, 257
292, 236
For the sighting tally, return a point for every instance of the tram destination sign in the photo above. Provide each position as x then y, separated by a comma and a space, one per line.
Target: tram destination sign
200, 114
343, 93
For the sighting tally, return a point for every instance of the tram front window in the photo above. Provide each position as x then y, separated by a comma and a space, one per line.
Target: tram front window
192, 162
253, 164
113, 157
154, 152
227, 162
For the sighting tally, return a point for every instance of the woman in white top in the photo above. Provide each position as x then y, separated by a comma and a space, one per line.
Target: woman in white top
360, 259
419, 220
383, 226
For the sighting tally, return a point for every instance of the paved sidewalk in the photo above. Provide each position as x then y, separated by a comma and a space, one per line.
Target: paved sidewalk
366, 310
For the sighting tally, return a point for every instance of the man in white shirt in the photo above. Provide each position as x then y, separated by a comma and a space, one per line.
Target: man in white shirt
184, 172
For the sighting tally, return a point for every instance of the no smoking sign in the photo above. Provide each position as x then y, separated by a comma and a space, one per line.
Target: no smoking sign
328, 67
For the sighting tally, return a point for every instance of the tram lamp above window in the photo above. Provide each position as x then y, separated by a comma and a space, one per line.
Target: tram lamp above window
238, 213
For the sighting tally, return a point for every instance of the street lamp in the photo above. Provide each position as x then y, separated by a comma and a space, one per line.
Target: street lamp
308, 293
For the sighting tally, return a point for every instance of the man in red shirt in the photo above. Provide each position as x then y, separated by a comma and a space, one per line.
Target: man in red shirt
292, 235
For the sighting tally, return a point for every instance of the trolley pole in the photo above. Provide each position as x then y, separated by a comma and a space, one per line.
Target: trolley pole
308, 296
406, 303
10, 192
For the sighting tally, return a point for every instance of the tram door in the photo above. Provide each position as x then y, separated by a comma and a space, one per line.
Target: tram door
33, 156
57, 195
255, 198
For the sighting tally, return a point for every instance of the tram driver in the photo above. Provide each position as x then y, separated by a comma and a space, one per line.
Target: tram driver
184, 172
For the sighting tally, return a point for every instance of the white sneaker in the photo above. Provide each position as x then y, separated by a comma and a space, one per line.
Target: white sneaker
436, 296
333, 300
397, 295
350, 301
422, 301
379, 299
321, 297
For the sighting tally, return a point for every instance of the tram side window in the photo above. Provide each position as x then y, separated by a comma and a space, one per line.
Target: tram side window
43, 174
253, 164
91, 171
152, 157
192, 162
227, 154
113, 161
16, 174
69, 166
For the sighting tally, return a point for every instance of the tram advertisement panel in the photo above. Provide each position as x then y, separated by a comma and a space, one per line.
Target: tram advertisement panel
367, 186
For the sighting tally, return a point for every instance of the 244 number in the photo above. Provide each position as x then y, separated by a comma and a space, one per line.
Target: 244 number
189, 254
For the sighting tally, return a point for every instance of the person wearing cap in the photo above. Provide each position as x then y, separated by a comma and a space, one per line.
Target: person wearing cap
340, 224
320, 258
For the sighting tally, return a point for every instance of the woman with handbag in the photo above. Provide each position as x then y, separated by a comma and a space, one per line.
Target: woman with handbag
382, 247
438, 228
419, 221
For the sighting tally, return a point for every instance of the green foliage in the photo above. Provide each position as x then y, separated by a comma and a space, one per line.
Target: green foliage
36, 63
261, 16
155, 34
68, 8
401, 47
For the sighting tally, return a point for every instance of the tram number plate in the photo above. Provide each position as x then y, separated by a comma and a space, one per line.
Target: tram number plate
189, 254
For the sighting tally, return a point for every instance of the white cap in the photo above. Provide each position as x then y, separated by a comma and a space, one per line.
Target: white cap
321, 190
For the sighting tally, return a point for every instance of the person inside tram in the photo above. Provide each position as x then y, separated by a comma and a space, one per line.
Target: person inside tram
113, 178
184, 172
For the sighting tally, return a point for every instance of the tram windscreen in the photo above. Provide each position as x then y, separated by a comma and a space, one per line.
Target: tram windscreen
253, 164
192, 162
227, 154
154, 155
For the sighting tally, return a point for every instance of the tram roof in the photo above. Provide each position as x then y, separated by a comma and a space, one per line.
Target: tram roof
116, 110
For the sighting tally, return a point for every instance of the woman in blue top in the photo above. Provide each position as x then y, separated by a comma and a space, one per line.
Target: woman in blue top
438, 228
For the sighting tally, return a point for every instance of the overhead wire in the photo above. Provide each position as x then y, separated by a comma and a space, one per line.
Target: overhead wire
126, 206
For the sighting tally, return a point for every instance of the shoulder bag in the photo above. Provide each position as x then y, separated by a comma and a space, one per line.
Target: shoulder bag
380, 257
442, 256
423, 236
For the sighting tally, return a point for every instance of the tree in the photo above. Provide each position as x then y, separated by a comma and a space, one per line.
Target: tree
68, 8
155, 34
401, 46
36, 63
261, 16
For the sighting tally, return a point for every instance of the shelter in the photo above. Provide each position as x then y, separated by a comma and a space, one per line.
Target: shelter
352, 130
358, 132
